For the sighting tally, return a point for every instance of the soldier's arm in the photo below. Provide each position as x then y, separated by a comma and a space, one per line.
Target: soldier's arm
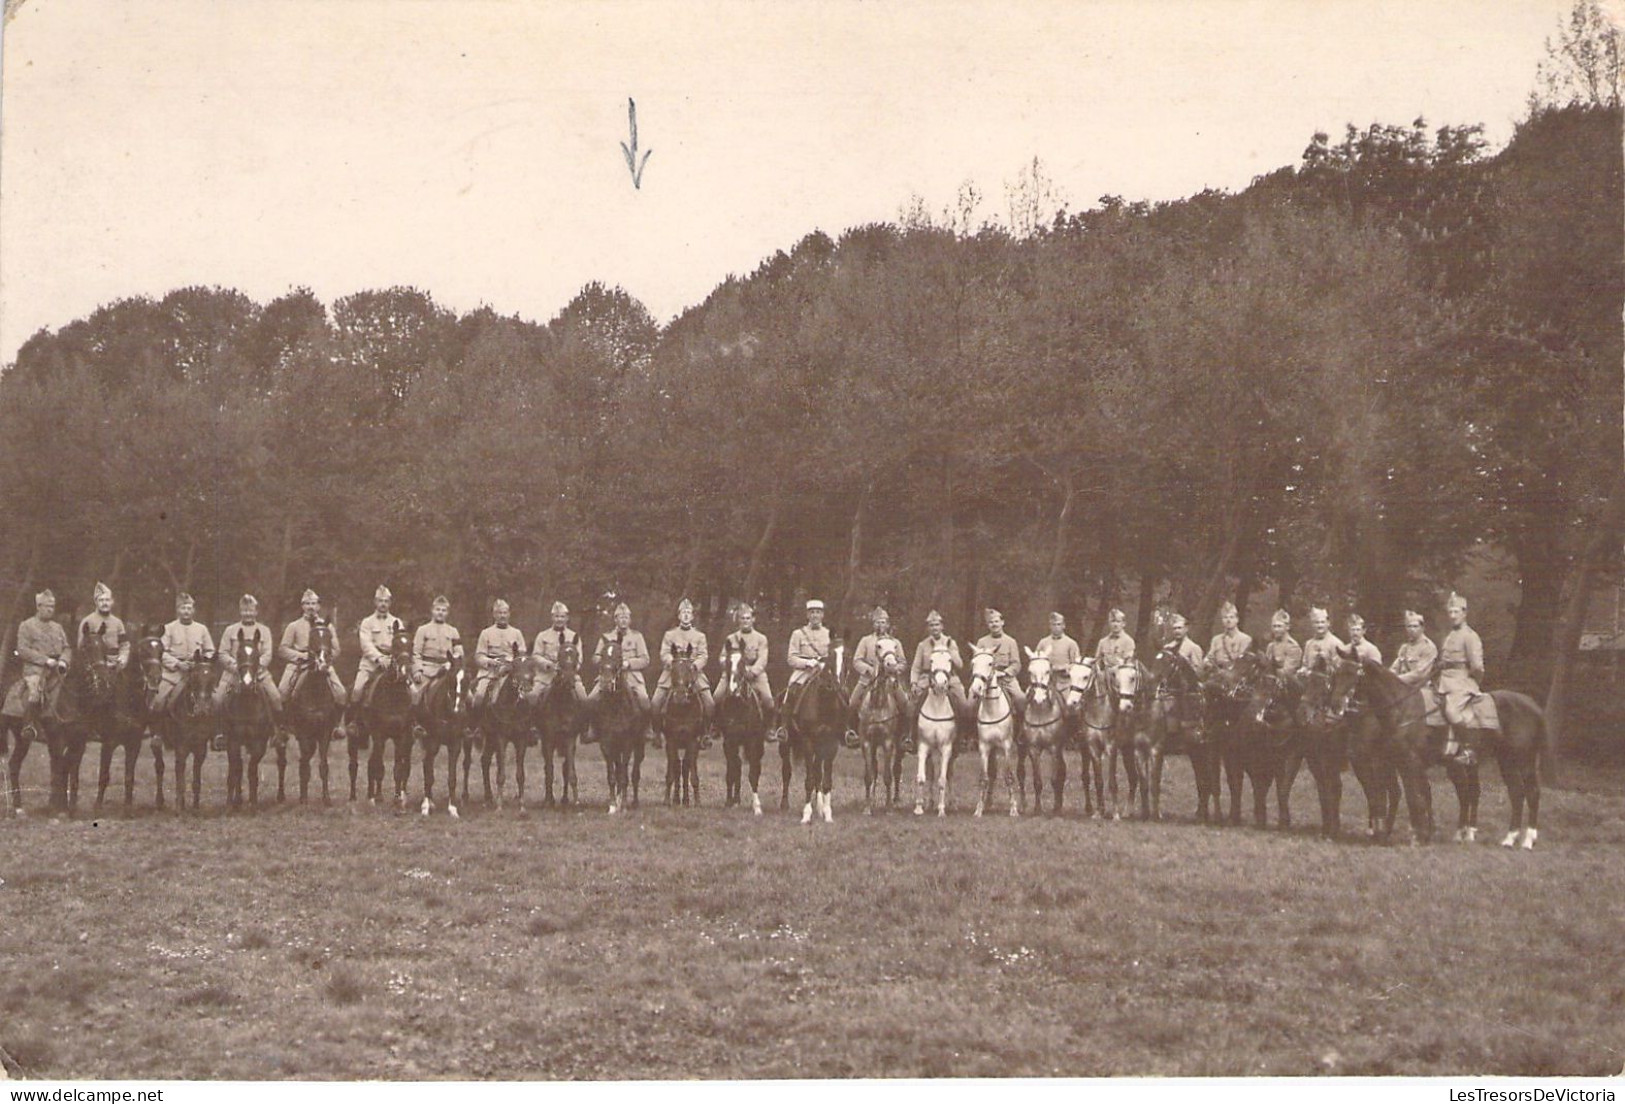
792, 653
702, 652
638, 654
759, 664
369, 647
288, 650
419, 640
28, 646
1475, 656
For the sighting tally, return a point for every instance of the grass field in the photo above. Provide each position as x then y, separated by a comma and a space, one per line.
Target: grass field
361, 943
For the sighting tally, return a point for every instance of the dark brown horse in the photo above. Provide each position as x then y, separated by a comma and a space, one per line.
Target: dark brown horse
442, 715
1319, 738
186, 725
125, 724
683, 725
560, 719
385, 716
248, 724
60, 722
1400, 716
1178, 723
619, 725
744, 728
312, 714
882, 717
816, 727
506, 721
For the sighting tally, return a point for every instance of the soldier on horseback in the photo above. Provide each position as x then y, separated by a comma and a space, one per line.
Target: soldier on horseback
43, 646
377, 636
1358, 646
871, 653
1282, 654
1006, 655
808, 650
102, 625
1322, 647
678, 640
634, 653
296, 644
936, 641
753, 646
1117, 646
185, 642
1180, 643
1230, 644
551, 644
1461, 665
1413, 662
248, 631
1061, 651
435, 646
496, 653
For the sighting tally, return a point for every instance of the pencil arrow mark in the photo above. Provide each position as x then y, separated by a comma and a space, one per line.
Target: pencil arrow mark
633, 165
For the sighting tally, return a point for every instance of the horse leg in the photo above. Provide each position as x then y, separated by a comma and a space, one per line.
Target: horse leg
158, 775
753, 752
255, 754
1418, 800
870, 768
282, 772
1287, 777
1155, 782
1008, 752
1530, 769
547, 770
982, 784
519, 772
354, 755
1023, 750
919, 778
784, 769
733, 770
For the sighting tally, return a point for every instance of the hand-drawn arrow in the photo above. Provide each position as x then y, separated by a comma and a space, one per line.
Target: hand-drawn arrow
633, 165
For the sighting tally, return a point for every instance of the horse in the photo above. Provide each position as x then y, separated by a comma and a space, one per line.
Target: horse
683, 724
1043, 732
560, 719
186, 725
1401, 713
1321, 740
1268, 731
1177, 724
938, 728
1227, 692
312, 714
1088, 702
816, 729
1126, 685
246, 716
505, 721
619, 725
122, 722
744, 728
442, 715
385, 715
882, 715
60, 722
995, 729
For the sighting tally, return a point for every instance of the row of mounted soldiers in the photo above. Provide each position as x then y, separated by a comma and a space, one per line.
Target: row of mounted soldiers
1450, 671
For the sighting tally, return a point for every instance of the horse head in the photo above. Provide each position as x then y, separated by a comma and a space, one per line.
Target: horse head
249, 659
982, 681
1267, 689
149, 657
1125, 683
609, 667
1038, 675
400, 652
891, 662
942, 669
733, 665
321, 647
1080, 682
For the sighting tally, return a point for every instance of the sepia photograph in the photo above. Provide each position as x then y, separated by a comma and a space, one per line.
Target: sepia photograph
821, 541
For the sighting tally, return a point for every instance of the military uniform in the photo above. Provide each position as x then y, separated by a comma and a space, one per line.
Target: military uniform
109, 630
867, 660
377, 638
1320, 650
1283, 656
920, 671
1190, 651
1114, 649
1226, 648
1413, 663
40, 644
434, 648
1062, 652
549, 649
680, 638
1367, 650
634, 661
295, 648
183, 643
1006, 665
494, 655
808, 648
1461, 663
231, 646
753, 648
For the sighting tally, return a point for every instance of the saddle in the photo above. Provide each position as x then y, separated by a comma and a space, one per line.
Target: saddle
1480, 710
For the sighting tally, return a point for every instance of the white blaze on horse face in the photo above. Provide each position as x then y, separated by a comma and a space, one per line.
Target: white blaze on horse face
1038, 674
1126, 678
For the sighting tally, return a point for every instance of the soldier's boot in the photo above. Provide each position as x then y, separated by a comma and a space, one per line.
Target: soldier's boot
657, 735
911, 734
1467, 756
1452, 745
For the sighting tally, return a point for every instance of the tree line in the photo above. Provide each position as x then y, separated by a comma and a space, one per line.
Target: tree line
1329, 388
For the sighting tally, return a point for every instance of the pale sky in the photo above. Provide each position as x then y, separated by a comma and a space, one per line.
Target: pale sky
471, 147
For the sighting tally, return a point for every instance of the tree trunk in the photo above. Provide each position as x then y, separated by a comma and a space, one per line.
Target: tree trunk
1567, 639
1142, 614
18, 607
1541, 569
854, 553
1244, 593
1286, 580
696, 550
1057, 563
284, 562
1207, 607
758, 555
1108, 583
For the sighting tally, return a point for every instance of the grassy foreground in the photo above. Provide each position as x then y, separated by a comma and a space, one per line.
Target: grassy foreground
359, 943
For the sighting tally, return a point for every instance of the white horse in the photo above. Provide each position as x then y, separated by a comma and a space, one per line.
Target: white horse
937, 728
995, 729
1043, 732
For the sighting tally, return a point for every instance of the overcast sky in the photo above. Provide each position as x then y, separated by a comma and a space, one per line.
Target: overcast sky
471, 147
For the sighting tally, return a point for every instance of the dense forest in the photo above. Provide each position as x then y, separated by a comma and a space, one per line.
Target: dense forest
1333, 387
